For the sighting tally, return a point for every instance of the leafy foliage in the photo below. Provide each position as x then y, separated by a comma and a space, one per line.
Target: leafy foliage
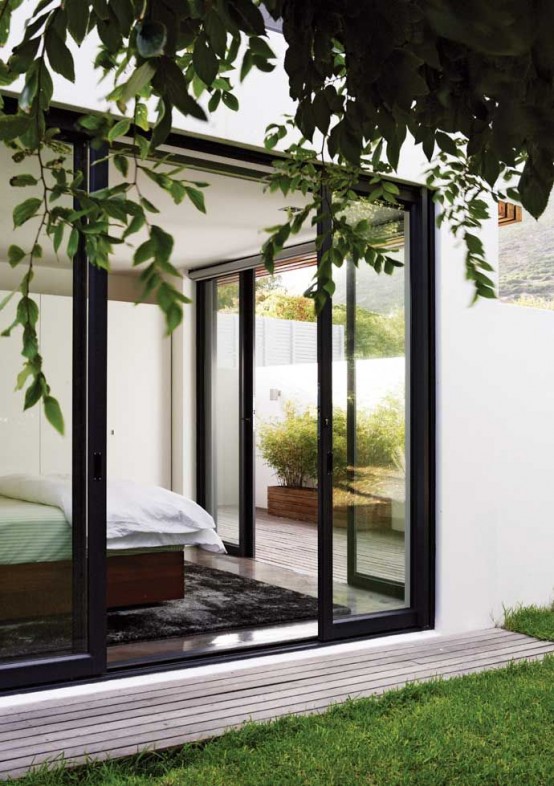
289, 445
472, 81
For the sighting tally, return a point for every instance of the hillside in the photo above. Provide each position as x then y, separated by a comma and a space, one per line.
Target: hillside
526, 258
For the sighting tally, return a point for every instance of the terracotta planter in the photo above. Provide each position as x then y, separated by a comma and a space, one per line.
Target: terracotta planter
292, 503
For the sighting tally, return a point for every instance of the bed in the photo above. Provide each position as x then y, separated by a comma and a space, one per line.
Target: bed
147, 530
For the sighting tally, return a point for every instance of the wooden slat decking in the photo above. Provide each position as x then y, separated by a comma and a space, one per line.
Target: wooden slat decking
122, 721
293, 545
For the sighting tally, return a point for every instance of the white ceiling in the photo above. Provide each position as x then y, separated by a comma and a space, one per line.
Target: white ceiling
238, 211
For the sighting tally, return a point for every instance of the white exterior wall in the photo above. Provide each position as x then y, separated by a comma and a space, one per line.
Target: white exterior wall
495, 405
495, 439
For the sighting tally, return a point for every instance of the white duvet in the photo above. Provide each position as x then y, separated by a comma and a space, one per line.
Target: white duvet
137, 516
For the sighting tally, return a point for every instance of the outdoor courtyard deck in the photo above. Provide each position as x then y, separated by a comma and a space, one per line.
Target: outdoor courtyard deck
292, 544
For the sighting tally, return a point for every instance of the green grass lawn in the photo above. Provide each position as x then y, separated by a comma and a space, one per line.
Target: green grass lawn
490, 729
537, 621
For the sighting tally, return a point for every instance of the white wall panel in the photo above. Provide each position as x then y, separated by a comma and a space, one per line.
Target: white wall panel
139, 394
56, 338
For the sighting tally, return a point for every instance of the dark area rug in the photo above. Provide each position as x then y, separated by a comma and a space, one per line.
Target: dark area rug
214, 600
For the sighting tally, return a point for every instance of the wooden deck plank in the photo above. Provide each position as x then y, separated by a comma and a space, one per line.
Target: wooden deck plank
134, 711
327, 664
163, 733
200, 708
293, 544
57, 733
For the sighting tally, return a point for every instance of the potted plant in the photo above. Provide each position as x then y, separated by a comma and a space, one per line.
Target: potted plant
289, 447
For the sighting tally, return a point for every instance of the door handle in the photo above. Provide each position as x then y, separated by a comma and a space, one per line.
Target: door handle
97, 466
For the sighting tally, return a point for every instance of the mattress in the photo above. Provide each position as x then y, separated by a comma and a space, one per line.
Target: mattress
39, 533
32, 533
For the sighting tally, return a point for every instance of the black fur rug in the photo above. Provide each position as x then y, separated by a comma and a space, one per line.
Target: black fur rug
214, 600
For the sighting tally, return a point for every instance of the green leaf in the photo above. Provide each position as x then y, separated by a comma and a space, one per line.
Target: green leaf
151, 39
24, 375
58, 237
144, 252
147, 205
20, 181
322, 112
216, 32
13, 126
163, 243
119, 129
53, 413
91, 122
59, 55
246, 66
15, 255
446, 144
27, 311
251, 16
34, 393
141, 117
121, 164
77, 19
230, 100
260, 47
213, 103
204, 60
73, 243
26, 210
197, 198
176, 87
535, 184
138, 81
23, 55
135, 225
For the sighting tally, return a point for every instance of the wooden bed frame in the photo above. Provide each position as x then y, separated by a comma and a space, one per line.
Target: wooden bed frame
45, 588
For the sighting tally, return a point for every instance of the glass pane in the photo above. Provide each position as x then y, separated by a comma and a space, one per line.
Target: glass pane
226, 411
286, 465
370, 493
42, 606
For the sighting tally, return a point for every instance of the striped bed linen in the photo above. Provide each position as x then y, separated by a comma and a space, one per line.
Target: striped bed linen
39, 533
32, 533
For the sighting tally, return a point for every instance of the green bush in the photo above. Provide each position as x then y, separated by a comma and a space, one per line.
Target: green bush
289, 445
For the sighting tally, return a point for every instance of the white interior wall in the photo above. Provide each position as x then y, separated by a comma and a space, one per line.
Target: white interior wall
139, 394
139, 440
18, 429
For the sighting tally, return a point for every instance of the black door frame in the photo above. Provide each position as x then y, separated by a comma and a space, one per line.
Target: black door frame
420, 612
89, 360
206, 350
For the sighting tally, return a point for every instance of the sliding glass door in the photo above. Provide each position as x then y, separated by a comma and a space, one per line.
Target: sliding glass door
226, 313
374, 426
344, 411
52, 488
